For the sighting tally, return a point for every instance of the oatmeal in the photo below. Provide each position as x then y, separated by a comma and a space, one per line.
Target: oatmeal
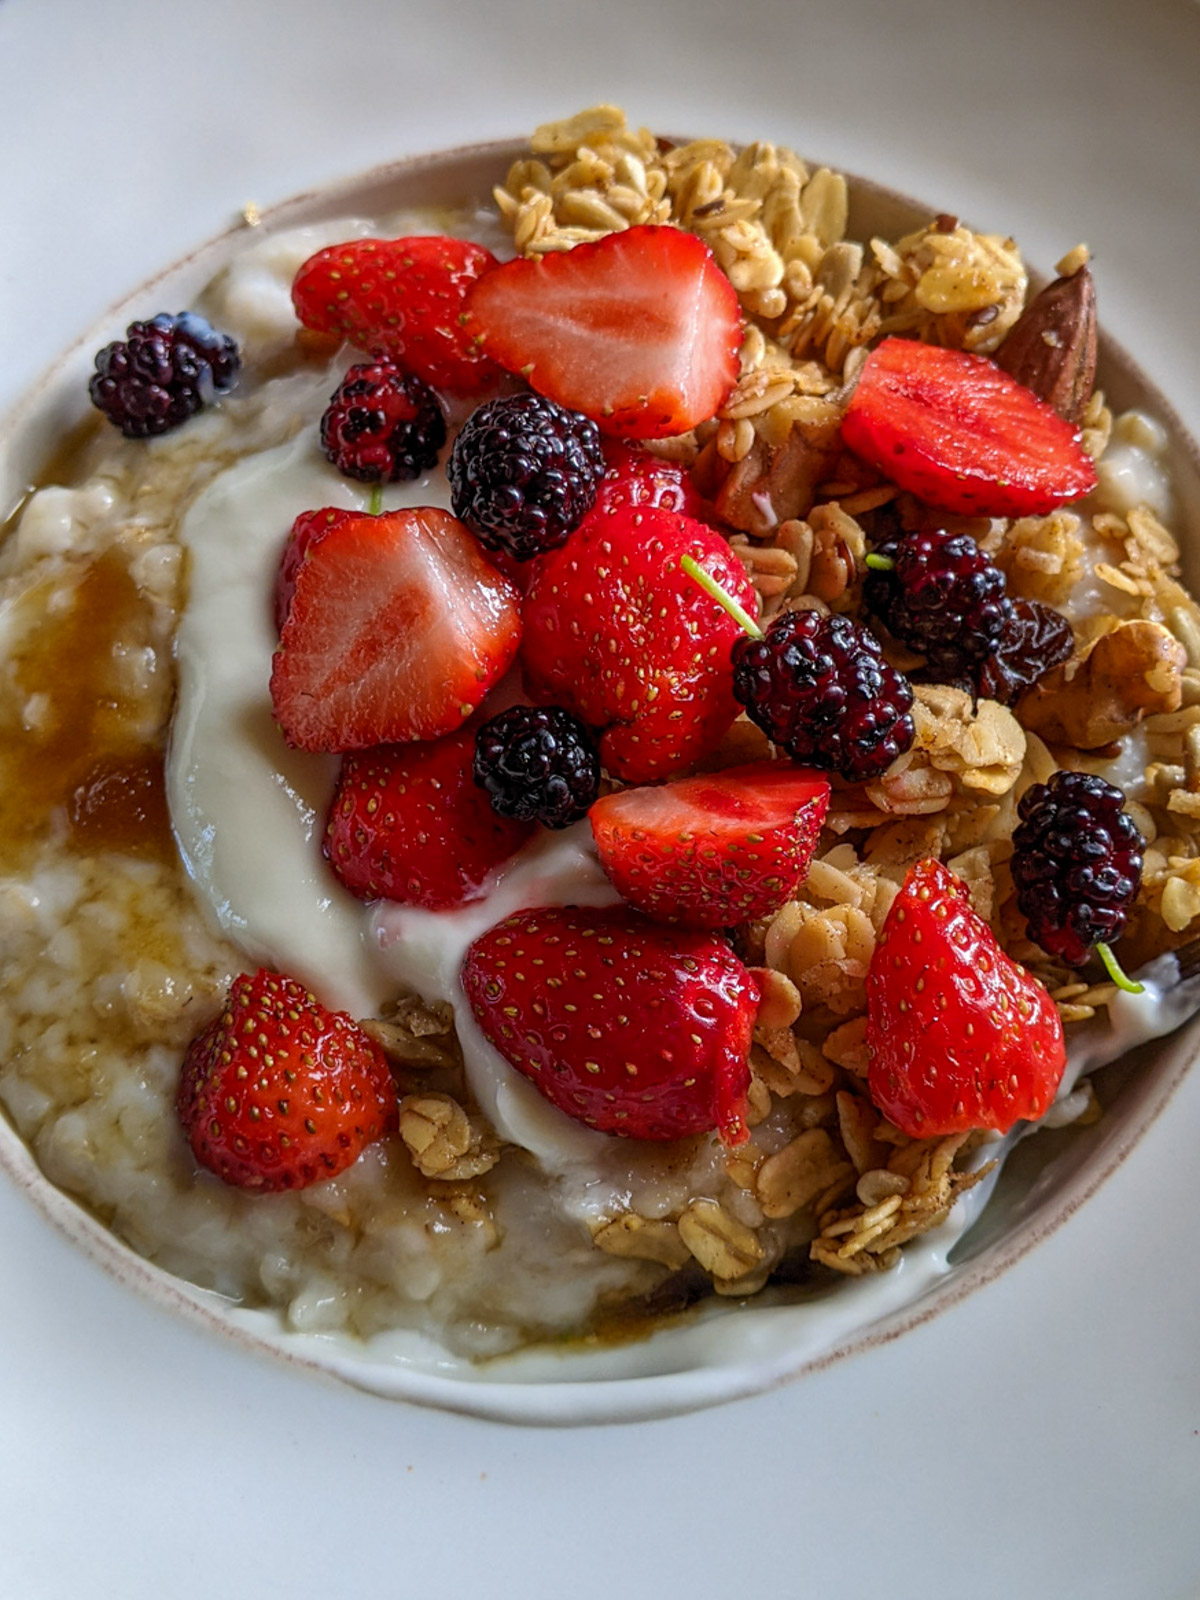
159, 836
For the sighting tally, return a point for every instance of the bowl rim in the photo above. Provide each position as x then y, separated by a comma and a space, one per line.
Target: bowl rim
572, 1401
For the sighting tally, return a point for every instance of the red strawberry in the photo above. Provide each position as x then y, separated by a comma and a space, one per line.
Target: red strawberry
639, 330
409, 823
631, 1028
635, 477
278, 1092
714, 851
397, 629
616, 633
308, 527
962, 435
959, 1035
404, 298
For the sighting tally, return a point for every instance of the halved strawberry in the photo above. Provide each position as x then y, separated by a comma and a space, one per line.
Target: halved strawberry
616, 633
961, 435
959, 1035
397, 629
628, 1027
714, 851
409, 823
639, 330
404, 298
308, 527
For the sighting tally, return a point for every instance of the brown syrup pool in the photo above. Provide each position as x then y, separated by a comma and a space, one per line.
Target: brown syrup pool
72, 756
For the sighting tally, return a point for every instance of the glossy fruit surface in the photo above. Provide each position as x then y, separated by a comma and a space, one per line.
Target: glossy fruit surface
279, 1092
639, 330
959, 1035
617, 633
713, 851
628, 1027
961, 435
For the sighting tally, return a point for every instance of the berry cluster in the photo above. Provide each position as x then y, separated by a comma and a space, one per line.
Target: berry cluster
537, 764
940, 595
524, 473
162, 373
382, 425
1077, 864
396, 627
820, 688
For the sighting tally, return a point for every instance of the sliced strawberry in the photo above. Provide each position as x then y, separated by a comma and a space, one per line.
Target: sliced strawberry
637, 478
409, 823
961, 435
959, 1035
625, 1026
714, 851
403, 298
397, 629
618, 634
279, 1092
308, 527
639, 330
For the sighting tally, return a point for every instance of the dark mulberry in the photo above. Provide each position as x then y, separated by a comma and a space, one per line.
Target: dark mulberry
382, 425
162, 373
538, 764
941, 596
1077, 864
524, 473
821, 689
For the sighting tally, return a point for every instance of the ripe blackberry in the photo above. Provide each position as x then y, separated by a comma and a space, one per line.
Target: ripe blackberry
820, 688
1035, 639
162, 373
538, 764
1077, 864
382, 425
524, 473
939, 594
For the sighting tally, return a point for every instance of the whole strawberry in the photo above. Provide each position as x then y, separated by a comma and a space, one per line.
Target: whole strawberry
278, 1092
409, 823
636, 477
402, 298
617, 634
630, 1028
960, 1036
961, 435
714, 851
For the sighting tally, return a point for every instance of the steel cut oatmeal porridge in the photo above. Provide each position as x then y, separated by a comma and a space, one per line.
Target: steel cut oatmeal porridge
182, 804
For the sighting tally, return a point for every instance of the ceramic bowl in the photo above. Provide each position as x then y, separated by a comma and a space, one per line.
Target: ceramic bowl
728, 1349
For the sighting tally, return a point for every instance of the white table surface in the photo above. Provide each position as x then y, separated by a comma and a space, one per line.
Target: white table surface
1042, 1438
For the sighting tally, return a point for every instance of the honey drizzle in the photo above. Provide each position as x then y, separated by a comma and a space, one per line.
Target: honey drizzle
71, 761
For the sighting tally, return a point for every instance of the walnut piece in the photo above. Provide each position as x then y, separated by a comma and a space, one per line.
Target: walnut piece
1133, 672
773, 483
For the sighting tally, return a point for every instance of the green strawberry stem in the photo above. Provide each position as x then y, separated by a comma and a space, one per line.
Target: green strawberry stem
1117, 973
726, 601
880, 563
375, 500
